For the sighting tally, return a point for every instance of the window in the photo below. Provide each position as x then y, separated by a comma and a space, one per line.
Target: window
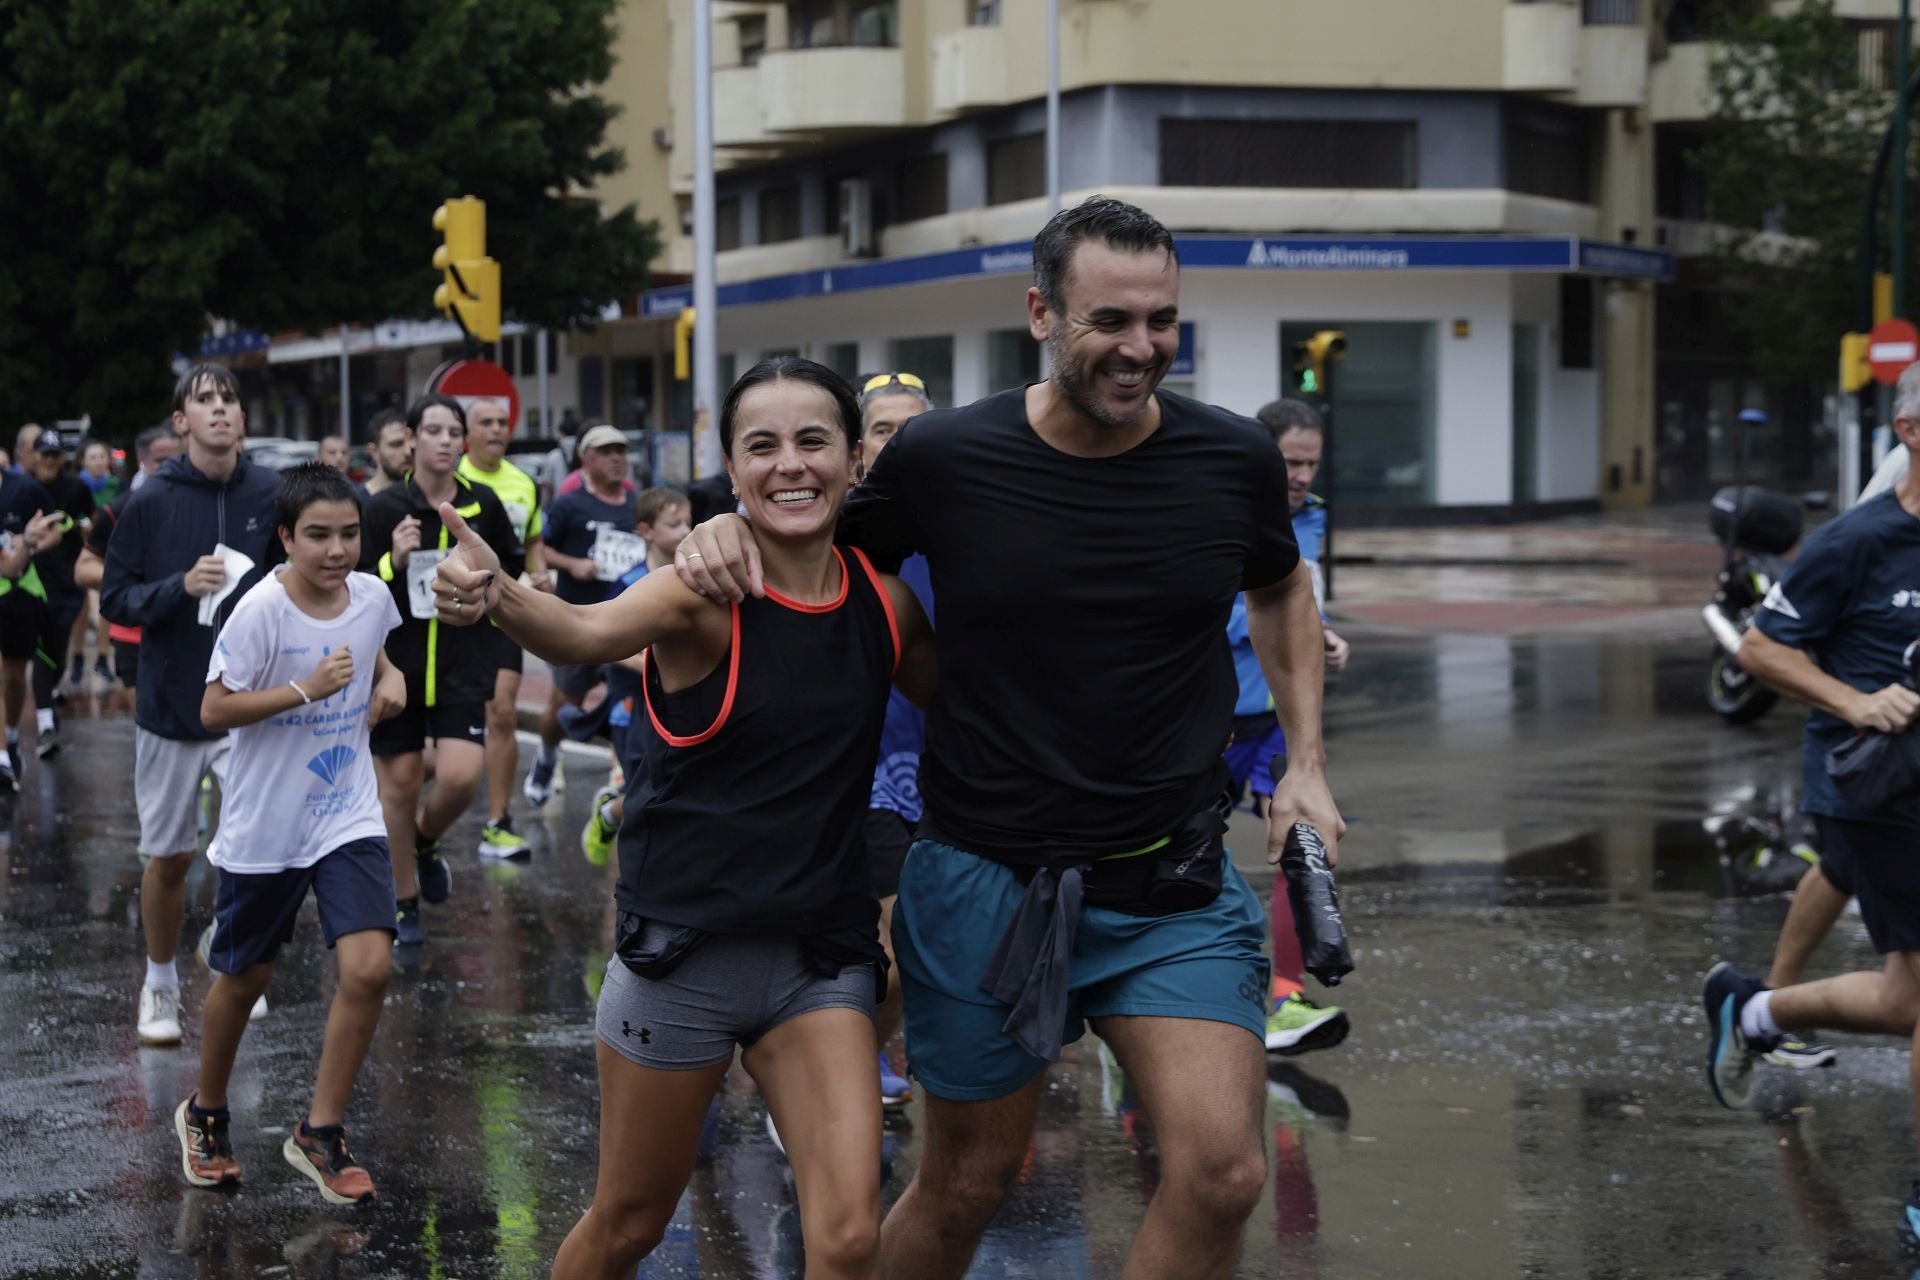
780, 214
593, 396
922, 188
843, 358
983, 13
1576, 322
931, 358
1384, 396
1017, 168
1548, 154
873, 23
1289, 153
1013, 359
1610, 13
753, 38
726, 224
632, 391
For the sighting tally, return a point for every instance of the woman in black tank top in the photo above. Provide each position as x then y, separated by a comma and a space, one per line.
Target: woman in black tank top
768, 716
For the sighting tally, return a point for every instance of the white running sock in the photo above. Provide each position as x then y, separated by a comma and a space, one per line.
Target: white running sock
162, 975
1756, 1019
43, 719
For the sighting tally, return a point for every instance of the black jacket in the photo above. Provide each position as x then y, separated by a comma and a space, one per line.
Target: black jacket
443, 665
170, 522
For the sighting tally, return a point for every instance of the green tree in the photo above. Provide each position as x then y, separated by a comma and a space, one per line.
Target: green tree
276, 163
1785, 168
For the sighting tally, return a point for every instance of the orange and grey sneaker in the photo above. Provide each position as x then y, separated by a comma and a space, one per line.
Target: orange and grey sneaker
322, 1155
206, 1149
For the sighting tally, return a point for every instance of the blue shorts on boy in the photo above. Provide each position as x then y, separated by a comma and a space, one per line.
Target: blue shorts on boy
300, 785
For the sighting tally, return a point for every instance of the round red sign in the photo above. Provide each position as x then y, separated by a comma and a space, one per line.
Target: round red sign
471, 380
1891, 347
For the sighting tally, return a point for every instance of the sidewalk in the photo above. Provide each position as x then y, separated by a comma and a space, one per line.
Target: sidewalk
1649, 568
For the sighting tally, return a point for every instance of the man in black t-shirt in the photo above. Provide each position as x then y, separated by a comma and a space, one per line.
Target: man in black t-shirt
1086, 537
66, 600
590, 542
28, 520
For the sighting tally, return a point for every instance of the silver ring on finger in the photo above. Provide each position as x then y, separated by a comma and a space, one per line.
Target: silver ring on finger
695, 555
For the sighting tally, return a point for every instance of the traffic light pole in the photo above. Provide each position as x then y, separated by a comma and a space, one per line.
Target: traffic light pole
705, 452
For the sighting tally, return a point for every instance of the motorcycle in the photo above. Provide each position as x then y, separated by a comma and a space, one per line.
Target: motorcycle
1757, 528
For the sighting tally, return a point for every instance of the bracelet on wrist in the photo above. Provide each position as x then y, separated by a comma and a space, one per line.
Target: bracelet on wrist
304, 699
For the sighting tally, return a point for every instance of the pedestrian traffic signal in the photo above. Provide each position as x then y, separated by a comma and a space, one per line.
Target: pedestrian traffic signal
1855, 372
1311, 358
469, 291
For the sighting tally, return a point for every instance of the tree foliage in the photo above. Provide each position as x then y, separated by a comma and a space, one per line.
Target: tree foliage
1785, 169
276, 163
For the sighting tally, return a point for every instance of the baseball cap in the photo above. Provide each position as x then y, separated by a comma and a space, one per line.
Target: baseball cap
601, 436
51, 441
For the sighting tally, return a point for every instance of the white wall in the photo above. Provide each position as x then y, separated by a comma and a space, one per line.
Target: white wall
1569, 454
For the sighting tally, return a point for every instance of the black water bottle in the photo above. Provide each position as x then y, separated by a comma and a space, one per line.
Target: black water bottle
1316, 905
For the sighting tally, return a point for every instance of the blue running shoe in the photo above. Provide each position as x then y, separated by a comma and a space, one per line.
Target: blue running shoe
894, 1089
1730, 1055
436, 878
406, 924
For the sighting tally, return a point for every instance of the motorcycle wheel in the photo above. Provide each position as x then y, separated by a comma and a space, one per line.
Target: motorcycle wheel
1734, 695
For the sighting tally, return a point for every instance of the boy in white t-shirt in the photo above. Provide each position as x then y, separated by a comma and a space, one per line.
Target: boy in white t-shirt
297, 676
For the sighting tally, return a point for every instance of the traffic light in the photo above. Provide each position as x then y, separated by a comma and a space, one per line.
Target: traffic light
1311, 358
469, 291
1854, 370
683, 345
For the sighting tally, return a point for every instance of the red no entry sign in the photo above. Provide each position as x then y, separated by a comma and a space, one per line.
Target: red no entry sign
471, 380
1891, 347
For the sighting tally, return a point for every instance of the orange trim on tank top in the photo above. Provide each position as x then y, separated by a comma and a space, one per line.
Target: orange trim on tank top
787, 602
726, 705
886, 603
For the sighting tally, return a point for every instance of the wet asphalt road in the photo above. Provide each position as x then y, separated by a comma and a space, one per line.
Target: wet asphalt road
1533, 904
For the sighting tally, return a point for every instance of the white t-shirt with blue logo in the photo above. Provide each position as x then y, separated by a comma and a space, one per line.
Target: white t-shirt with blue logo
299, 784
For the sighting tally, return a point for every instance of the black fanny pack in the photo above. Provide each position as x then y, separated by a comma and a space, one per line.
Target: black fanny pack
1184, 874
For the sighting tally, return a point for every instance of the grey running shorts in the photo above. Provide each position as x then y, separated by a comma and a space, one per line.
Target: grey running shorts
731, 991
166, 788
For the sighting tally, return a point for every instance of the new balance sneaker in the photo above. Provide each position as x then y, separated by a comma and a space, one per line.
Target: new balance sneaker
159, 1015
436, 877
1730, 1055
406, 923
894, 1089
498, 839
597, 838
204, 950
322, 1155
206, 1149
543, 777
1298, 1025
47, 746
1803, 1055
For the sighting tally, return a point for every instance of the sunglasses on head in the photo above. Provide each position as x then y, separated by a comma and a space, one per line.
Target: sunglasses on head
879, 380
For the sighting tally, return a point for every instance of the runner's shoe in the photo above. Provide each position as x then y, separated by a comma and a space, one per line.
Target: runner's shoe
203, 949
598, 836
1298, 1025
322, 1155
1910, 1221
206, 1148
102, 672
1730, 1055
894, 1089
436, 877
1803, 1055
48, 745
542, 777
78, 676
159, 1015
406, 923
9, 781
500, 840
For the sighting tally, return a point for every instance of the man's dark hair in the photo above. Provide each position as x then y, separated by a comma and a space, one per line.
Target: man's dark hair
791, 369
1119, 224
383, 419
143, 443
1283, 416
418, 410
304, 485
206, 371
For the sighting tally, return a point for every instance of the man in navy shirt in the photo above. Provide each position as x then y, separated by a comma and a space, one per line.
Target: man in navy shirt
1834, 634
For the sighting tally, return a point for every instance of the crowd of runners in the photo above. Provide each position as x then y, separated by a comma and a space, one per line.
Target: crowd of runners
830, 825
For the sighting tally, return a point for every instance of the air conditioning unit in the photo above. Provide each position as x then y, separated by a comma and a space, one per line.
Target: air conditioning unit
856, 217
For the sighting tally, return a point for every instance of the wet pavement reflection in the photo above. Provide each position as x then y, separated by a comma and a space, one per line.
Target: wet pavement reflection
1533, 899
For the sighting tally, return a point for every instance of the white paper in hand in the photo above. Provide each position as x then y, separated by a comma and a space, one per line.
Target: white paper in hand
420, 574
238, 565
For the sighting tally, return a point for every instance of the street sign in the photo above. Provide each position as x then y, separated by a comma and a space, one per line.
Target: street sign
471, 380
1891, 347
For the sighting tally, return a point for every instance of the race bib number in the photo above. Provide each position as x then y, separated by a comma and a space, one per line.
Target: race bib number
420, 569
517, 514
615, 551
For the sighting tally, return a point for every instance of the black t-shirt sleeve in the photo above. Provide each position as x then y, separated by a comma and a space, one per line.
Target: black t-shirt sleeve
877, 517
1273, 552
1806, 605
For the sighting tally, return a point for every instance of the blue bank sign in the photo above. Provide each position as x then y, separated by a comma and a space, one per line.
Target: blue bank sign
1565, 254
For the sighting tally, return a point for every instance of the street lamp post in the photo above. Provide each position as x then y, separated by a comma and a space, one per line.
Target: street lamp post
706, 359
1053, 107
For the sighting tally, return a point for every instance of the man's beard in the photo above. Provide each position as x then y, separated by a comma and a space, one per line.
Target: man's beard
1074, 388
